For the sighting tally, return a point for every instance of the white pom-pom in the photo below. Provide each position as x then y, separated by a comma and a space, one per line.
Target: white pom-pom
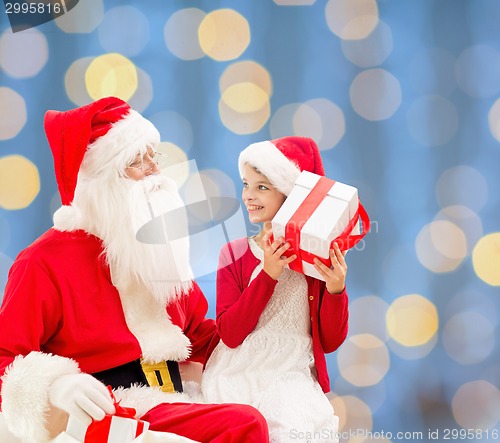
67, 218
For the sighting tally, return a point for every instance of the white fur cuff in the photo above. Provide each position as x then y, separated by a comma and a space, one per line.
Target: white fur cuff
25, 398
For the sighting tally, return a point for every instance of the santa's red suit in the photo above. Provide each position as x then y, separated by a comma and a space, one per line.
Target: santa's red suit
60, 300
62, 314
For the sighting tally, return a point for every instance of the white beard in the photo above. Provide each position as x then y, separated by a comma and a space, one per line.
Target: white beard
118, 210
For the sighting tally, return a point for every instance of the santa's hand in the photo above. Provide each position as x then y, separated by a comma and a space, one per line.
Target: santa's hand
81, 396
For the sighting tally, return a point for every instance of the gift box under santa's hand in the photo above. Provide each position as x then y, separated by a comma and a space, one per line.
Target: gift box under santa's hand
122, 427
317, 213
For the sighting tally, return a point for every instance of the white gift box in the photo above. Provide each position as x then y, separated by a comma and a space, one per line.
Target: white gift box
317, 211
112, 429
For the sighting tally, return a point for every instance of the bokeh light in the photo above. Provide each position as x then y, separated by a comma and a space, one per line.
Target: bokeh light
124, 29
12, 113
367, 316
486, 259
181, 33
176, 163
466, 219
353, 413
244, 122
19, 182
83, 18
372, 50
320, 119
363, 360
448, 239
74, 81
245, 97
23, 54
351, 19
412, 352
441, 246
375, 94
307, 122
281, 123
476, 405
143, 95
472, 300
224, 34
494, 119
245, 88
462, 185
111, 75
468, 338
246, 71
412, 320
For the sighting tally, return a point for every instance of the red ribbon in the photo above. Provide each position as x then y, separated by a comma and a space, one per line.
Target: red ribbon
293, 228
98, 431
121, 411
140, 428
300, 217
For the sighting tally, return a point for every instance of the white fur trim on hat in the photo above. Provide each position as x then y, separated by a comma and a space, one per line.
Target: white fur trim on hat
127, 137
271, 162
25, 393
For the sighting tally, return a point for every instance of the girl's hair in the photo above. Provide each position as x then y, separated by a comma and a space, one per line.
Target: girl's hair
258, 171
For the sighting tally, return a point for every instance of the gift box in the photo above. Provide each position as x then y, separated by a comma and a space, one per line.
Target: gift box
318, 212
121, 427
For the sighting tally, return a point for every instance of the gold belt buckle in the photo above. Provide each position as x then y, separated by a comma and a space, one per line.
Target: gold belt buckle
157, 374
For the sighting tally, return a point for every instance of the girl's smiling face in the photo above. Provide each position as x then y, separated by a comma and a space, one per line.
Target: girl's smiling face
261, 198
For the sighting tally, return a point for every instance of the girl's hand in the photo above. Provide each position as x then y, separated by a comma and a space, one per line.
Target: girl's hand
274, 262
334, 276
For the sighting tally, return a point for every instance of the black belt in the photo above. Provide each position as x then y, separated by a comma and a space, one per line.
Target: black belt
165, 375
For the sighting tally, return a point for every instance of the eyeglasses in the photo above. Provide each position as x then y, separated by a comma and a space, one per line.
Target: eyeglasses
151, 158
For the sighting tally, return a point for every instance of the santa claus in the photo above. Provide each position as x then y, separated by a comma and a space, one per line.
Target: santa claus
88, 304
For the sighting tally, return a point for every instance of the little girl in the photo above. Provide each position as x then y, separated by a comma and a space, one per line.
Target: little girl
275, 324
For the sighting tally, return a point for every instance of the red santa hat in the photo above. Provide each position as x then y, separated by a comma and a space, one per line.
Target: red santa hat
282, 160
108, 125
